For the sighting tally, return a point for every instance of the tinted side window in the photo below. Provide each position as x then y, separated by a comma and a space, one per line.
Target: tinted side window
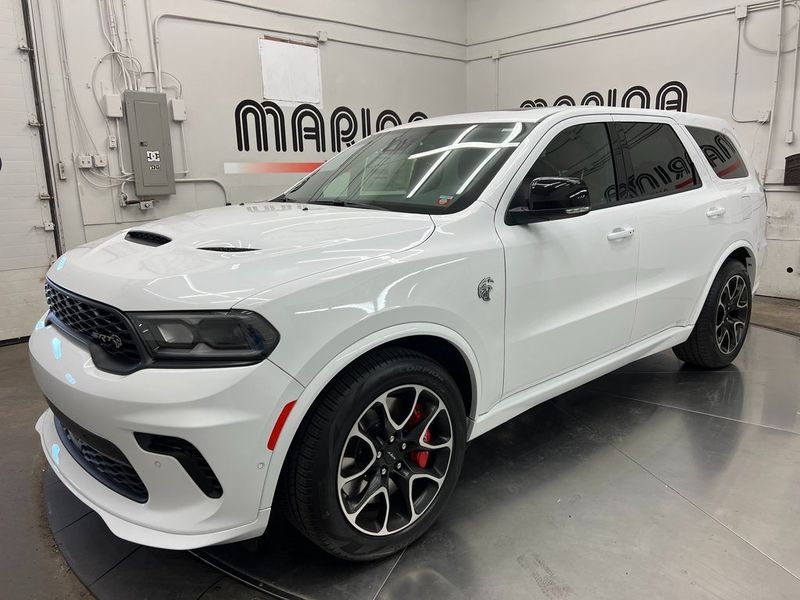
659, 164
583, 152
720, 153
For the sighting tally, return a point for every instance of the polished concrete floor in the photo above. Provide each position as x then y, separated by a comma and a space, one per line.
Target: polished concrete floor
30, 563
781, 314
655, 481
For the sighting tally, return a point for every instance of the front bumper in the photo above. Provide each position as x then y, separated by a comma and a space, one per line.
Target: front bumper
226, 413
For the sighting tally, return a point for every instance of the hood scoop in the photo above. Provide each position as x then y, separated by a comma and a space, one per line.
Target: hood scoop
147, 238
228, 249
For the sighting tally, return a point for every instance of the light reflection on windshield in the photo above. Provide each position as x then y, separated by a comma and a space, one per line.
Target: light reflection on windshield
429, 170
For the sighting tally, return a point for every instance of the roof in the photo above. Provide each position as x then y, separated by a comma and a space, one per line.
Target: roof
534, 115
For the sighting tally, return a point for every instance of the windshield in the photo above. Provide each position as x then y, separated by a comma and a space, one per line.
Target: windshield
431, 170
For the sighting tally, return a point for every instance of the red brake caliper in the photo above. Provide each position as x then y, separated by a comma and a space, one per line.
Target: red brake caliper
420, 456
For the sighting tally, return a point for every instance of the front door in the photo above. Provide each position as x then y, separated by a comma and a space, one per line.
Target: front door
571, 283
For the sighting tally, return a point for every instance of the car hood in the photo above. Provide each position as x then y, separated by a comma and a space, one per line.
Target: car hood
283, 242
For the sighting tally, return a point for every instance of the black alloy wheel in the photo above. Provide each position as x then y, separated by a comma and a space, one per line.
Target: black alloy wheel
377, 456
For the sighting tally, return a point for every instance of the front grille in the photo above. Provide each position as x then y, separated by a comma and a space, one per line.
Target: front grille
101, 459
93, 322
189, 458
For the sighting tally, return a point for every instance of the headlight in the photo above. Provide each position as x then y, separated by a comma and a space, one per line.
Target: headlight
206, 336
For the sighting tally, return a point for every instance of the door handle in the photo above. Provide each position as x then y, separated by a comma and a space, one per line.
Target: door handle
620, 233
715, 211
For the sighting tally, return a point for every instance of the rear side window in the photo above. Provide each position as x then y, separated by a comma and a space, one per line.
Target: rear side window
659, 164
720, 153
583, 152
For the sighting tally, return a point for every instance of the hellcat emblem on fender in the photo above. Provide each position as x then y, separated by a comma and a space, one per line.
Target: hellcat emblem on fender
485, 289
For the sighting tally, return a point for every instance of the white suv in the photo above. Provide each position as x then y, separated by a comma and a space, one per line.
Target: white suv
333, 350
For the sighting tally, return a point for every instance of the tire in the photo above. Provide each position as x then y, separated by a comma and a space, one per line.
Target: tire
350, 448
724, 320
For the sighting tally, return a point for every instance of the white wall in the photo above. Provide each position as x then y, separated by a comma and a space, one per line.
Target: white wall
26, 249
402, 56
574, 47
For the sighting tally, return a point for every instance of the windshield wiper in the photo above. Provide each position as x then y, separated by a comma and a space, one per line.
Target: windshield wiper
281, 198
350, 203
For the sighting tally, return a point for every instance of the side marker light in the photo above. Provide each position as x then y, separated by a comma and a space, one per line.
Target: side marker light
276, 430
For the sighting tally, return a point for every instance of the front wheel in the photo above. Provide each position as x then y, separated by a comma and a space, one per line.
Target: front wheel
378, 457
722, 326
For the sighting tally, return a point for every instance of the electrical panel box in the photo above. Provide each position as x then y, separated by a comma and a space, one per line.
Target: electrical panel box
147, 116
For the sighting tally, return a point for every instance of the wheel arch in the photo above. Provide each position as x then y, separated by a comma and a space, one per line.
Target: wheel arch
747, 257
743, 252
440, 343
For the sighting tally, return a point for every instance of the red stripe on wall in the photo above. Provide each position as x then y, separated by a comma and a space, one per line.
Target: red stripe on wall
256, 168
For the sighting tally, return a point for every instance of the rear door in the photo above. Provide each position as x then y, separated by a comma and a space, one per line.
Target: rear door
682, 220
570, 283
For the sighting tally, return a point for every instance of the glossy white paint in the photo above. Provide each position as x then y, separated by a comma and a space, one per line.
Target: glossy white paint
222, 411
689, 230
292, 241
568, 304
573, 291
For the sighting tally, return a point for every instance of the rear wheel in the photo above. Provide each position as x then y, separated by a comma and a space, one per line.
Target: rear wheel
378, 457
722, 326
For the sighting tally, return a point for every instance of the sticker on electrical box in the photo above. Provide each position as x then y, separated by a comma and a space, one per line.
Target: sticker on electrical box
154, 156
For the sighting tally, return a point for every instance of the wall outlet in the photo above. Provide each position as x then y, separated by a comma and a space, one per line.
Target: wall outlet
740, 12
84, 161
789, 137
99, 161
112, 142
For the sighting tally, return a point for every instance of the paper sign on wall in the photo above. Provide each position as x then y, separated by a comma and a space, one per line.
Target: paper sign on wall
290, 71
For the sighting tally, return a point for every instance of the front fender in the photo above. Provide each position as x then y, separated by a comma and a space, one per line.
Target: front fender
309, 395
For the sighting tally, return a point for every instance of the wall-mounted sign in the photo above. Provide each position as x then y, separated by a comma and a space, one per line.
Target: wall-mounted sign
673, 95
262, 126
290, 71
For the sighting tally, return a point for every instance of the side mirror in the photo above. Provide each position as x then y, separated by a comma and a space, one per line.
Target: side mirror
548, 199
